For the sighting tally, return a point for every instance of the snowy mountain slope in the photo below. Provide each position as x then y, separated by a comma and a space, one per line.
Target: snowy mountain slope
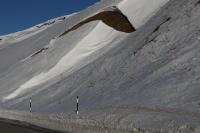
18, 37
23, 46
140, 11
148, 78
76, 58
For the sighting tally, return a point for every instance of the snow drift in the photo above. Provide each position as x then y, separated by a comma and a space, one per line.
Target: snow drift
133, 63
114, 19
76, 58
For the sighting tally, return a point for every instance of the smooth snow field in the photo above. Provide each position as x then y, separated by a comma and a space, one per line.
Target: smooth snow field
139, 73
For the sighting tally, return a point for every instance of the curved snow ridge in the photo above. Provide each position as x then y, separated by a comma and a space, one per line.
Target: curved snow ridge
113, 18
78, 57
132, 13
140, 11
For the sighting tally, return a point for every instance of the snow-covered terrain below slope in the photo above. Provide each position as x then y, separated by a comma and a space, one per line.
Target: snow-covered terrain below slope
148, 78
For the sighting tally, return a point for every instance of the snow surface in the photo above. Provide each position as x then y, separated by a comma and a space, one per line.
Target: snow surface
97, 39
20, 37
140, 11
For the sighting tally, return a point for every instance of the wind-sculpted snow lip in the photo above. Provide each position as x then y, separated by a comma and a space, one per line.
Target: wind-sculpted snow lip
112, 17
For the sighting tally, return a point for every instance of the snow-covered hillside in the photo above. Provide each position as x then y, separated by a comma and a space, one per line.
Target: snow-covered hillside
131, 62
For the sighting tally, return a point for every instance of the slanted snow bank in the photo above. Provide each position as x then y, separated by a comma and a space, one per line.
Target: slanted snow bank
140, 11
98, 39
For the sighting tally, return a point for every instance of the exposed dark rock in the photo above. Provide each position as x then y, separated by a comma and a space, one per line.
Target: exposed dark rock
62, 18
40, 51
114, 19
198, 2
